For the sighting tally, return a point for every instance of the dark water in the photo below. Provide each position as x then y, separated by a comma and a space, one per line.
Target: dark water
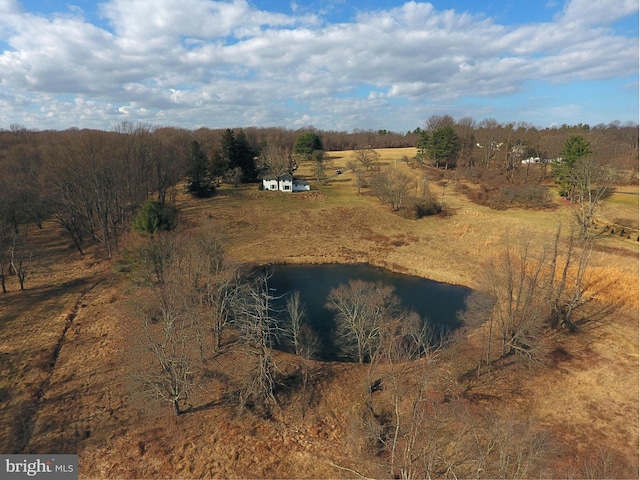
434, 301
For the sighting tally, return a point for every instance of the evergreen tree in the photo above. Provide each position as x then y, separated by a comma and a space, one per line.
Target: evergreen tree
199, 181
245, 157
307, 143
236, 152
444, 146
154, 217
422, 143
227, 149
575, 148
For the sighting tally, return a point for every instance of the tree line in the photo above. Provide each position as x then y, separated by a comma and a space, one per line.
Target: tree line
504, 166
489, 144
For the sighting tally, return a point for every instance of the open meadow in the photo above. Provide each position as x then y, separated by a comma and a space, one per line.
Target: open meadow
66, 342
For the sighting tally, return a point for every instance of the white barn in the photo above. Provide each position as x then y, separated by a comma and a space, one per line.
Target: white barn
284, 183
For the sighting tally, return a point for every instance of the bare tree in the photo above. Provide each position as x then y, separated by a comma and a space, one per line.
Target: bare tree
489, 141
319, 167
168, 336
361, 309
20, 256
233, 176
511, 300
392, 187
22, 198
436, 122
192, 292
155, 258
302, 336
172, 378
3, 261
98, 179
220, 290
530, 286
296, 313
257, 323
606, 462
167, 157
567, 280
430, 439
278, 160
361, 174
507, 448
416, 435
366, 156
592, 181
309, 341
465, 128
5, 243
478, 311
170, 333
519, 308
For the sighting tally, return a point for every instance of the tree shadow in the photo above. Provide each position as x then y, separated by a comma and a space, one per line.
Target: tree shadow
608, 192
224, 401
15, 303
307, 381
596, 316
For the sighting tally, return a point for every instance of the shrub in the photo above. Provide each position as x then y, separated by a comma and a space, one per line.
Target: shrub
527, 196
462, 188
426, 207
155, 217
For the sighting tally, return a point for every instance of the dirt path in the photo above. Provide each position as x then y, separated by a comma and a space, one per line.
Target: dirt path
41, 392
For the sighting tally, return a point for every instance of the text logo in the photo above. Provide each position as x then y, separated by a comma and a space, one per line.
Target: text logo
49, 467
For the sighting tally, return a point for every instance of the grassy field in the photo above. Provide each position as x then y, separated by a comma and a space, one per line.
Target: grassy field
333, 223
65, 341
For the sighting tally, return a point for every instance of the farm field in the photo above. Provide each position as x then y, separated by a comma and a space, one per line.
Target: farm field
66, 341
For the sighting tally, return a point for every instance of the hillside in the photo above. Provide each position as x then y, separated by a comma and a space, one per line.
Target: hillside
68, 346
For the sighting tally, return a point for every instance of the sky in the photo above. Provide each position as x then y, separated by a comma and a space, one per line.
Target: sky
333, 64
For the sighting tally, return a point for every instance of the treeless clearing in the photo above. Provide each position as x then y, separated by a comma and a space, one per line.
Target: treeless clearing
75, 310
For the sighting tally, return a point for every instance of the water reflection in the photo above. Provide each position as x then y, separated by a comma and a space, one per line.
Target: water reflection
437, 302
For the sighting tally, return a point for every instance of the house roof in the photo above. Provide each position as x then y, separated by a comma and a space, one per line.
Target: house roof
270, 176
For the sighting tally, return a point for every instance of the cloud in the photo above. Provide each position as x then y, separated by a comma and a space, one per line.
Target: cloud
9, 7
163, 21
200, 62
597, 12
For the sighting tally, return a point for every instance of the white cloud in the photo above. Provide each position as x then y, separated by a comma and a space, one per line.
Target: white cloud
597, 12
9, 7
200, 62
164, 20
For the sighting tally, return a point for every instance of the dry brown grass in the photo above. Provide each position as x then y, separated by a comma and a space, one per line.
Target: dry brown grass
83, 403
32, 325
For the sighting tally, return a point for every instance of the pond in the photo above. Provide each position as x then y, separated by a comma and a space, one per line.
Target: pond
435, 301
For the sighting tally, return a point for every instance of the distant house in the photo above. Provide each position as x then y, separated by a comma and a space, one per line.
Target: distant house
544, 160
532, 160
284, 183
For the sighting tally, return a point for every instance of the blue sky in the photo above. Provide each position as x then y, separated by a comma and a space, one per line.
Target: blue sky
337, 64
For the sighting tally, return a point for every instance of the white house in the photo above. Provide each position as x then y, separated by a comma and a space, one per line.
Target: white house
300, 185
531, 160
284, 183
